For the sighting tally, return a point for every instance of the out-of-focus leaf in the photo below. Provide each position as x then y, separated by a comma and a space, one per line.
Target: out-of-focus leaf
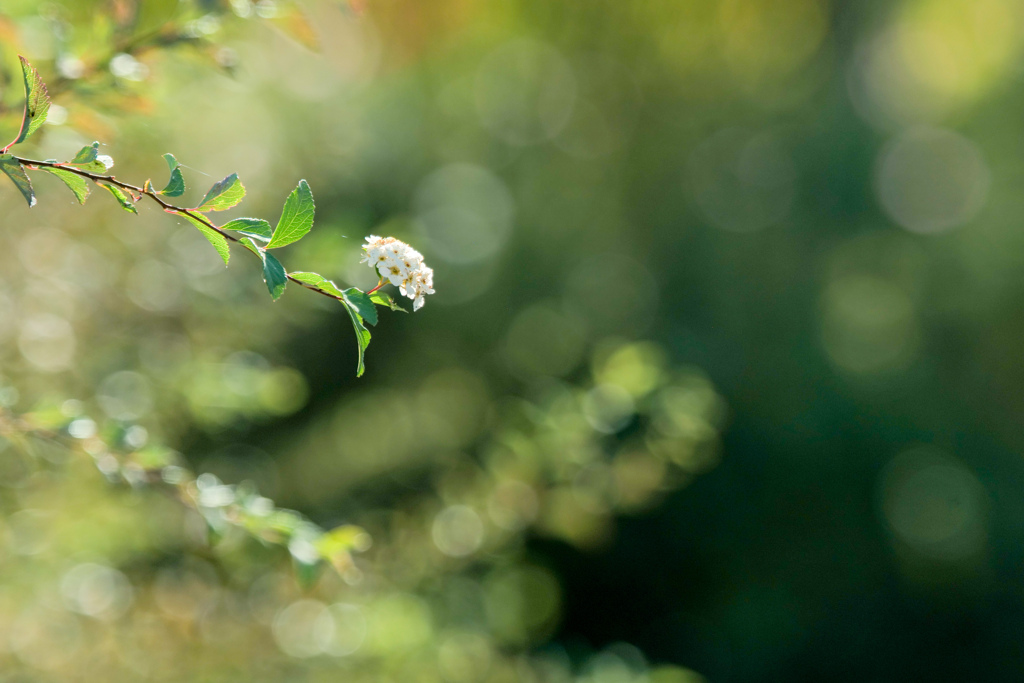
256, 228
361, 303
296, 217
343, 539
75, 183
126, 203
318, 281
176, 185
306, 573
219, 242
9, 33
223, 195
285, 522
16, 172
289, 18
152, 15
37, 101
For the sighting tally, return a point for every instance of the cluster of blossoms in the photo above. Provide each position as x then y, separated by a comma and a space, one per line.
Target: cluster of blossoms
401, 265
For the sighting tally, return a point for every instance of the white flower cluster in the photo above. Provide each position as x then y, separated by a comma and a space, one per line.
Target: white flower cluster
401, 265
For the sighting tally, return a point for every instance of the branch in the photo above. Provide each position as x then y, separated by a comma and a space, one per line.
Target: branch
168, 207
222, 506
395, 261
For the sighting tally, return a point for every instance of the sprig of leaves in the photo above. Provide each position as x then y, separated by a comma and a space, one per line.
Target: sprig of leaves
255, 234
223, 507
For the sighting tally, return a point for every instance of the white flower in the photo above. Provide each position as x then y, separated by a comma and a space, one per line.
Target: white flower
424, 285
394, 272
427, 279
372, 250
400, 265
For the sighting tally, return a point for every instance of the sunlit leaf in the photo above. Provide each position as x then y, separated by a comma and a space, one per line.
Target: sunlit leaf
318, 281
37, 101
89, 159
126, 203
337, 545
251, 246
223, 195
296, 217
285, 522
75, 183
86, 154
176, 185
386, 300
219, 242
16, 172
358, 300
256, 228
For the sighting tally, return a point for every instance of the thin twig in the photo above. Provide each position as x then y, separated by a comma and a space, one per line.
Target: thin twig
169, 208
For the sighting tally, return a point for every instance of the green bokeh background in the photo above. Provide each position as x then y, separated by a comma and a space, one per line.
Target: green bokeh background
814, 206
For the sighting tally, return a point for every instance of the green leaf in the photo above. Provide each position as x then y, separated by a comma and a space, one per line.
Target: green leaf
37, 101
75, 183
223, 195
306, 573
386, 300
296, 217
16, 172
176, 185
257, 228
362, 336
274, 275
340, 541
357, 299
219, 242
251, 246
318, 281
122, 199
86, 155
152, 15
89, 159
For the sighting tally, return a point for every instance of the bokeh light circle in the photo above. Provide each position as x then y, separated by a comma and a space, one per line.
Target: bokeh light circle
525, 92
931, 180
465, 213
934, 505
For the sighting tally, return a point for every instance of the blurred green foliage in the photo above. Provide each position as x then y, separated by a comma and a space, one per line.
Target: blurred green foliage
445, 593
817, 203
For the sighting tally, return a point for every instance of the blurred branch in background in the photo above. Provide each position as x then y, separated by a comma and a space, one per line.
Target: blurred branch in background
122, 584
